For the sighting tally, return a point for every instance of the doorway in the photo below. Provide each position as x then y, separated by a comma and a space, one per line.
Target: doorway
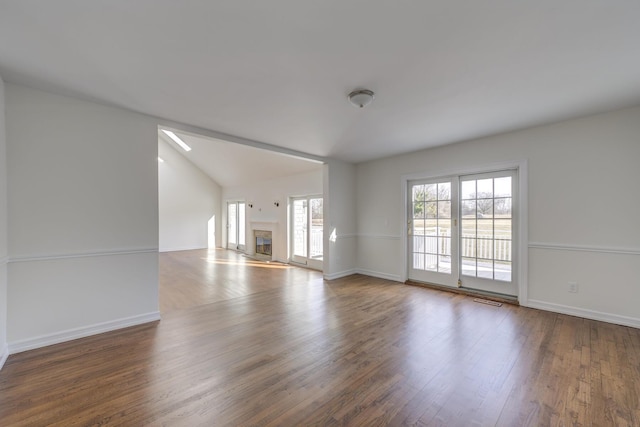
236, 226
462, 231
306, 231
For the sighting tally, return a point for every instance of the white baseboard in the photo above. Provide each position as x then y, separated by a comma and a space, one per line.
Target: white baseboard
364, 272
340, 274
85, 331
587, 314
380, 275
4, 353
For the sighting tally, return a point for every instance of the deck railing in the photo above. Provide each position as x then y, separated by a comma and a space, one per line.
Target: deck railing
315, 246
472, 246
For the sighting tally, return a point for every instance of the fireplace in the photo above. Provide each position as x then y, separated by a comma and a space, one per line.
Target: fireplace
263, 244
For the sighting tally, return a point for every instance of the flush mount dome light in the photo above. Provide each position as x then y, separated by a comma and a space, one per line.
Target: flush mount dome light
361, 98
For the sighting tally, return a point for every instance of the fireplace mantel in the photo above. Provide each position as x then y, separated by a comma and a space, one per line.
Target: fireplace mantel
264, 225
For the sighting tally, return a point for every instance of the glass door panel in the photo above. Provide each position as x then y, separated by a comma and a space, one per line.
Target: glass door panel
241, 226
317, 228
236, 235
486, 239
461, 231
232, 226
307, 231
432, 232
299, 217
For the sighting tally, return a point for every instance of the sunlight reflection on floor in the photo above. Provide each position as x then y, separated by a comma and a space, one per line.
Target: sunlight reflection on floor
262, 264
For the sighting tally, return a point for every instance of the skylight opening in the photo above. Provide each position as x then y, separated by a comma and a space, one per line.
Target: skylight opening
177, 140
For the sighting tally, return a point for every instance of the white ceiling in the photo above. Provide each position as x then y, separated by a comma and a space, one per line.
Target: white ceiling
278, 71
231, 164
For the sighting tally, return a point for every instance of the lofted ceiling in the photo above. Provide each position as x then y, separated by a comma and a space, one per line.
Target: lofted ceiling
230, 164
279, 71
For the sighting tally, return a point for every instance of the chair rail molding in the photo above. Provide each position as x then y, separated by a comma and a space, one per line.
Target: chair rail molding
584, 248
132, 251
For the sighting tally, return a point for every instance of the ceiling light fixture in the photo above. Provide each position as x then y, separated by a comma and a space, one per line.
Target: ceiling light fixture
177, 140
361, 98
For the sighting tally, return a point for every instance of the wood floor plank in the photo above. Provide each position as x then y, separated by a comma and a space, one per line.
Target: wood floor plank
254, 344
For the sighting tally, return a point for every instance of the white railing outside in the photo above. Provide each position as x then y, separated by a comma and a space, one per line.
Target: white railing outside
472, 246
315, 246
485, 247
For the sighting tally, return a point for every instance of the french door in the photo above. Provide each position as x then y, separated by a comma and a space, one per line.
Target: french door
462, 231
236, 238
306, 222
433, 234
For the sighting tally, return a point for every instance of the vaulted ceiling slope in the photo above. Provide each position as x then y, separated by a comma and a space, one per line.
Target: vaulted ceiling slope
231, 165
279, 71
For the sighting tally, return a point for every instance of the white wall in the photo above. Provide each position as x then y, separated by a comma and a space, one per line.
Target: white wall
263, 195
340, 216
583, 212
83, 215
82, 185
188, 198
3, 232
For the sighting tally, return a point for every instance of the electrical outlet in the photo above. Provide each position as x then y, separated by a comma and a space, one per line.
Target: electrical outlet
573, 287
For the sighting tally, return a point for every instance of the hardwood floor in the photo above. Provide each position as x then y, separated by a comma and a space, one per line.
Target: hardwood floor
247, 344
